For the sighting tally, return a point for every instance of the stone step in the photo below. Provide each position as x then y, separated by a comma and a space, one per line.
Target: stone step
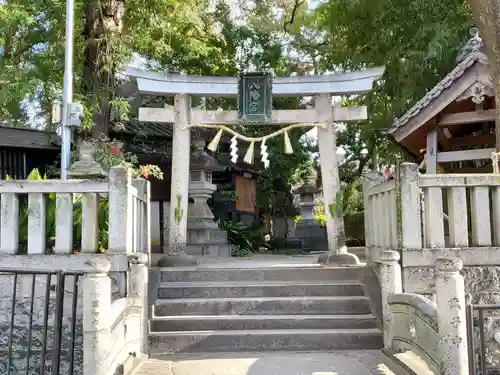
255, 322
263, 306
234, 289
223, 250
264, 340
359, 251
282, 273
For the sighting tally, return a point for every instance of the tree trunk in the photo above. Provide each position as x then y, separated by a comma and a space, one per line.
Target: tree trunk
101, 31
487, 17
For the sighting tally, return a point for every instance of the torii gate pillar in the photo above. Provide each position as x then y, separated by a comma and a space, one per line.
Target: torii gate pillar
179, 185
329, 173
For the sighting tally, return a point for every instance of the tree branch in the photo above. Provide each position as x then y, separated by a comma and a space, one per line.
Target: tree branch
296, 6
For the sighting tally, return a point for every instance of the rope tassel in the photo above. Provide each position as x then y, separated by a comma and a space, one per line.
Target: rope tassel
249, 155
250, 152
288, 144
234, 150
215, 142
264, 154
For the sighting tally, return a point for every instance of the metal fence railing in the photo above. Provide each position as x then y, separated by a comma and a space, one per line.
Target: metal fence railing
40, 322
478, 338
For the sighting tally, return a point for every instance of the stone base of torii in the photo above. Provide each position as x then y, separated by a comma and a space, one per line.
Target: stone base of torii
322, 88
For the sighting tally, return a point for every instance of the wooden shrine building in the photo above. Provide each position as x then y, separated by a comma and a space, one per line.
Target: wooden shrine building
452, 128
24, 149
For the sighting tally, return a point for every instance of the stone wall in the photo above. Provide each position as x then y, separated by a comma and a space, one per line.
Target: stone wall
482, 284
20, 333
21, 329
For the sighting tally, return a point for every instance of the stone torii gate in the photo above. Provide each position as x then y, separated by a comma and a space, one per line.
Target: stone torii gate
322, 88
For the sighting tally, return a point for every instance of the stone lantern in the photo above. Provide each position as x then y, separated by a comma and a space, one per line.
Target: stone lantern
203, 237
307, 229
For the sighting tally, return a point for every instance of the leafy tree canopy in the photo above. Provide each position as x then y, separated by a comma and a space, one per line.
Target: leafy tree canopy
417, 41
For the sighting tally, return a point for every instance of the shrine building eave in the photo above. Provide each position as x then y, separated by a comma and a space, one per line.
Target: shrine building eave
470, 79
349, 83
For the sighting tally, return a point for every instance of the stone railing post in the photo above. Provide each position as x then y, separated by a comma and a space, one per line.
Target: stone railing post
120, 211
144, 216
408, 210
369, 179
96, 287
450, 296
390, 283
139, 288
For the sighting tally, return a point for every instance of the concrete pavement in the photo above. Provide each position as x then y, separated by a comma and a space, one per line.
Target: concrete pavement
366, 362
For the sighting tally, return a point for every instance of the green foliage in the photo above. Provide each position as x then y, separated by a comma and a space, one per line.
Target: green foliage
349, 201
179, 212
50, 219
417, 41
178, 35
239, 235
275, 183
109, 153
247, 239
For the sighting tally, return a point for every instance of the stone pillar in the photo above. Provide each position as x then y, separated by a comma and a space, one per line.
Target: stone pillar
390, 283
180, 175
450, 296
139, 287
330, 174
332, 193
369, 179
120, 211
179, 186
409, 213
144, 217
409, 207
96, 287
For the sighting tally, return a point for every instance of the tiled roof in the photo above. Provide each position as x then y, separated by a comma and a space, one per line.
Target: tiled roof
28, 138
163, 149
434, 93
145, 129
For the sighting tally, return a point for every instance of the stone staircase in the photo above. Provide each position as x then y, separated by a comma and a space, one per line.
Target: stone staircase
263, 309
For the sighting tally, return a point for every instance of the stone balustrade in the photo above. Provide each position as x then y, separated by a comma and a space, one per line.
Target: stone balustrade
54, 203
436, 333
114, 332
426, 217
102, 291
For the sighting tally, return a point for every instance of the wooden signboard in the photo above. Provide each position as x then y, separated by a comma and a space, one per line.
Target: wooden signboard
245, 194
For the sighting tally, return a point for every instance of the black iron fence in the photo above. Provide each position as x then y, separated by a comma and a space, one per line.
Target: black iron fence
40, 323
481, 323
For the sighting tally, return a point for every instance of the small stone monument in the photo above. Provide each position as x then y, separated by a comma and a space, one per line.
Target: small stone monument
86, 167
307, 229
203, 236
